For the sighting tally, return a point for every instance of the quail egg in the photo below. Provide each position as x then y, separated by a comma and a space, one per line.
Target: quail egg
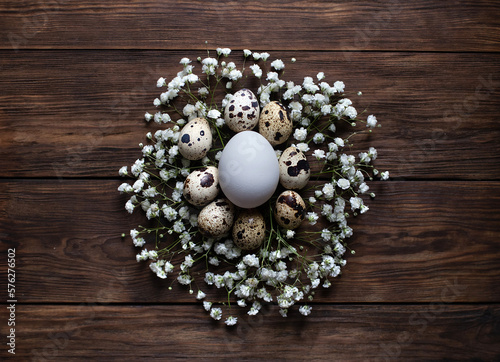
290, 209
242, 111
202, 186
274, 123
216, 219
249, 230
294, 169
195, 139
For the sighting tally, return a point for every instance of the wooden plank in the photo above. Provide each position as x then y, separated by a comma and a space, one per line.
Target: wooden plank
316, 25
417, 240
352, 332
80, 114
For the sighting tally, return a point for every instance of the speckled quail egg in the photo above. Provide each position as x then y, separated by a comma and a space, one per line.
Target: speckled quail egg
249, 229
294, 169
290, 209
216, 219
202, 186
242, 111
195, 139
274, 123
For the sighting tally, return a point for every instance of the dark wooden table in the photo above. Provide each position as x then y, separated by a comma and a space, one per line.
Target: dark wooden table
76, 79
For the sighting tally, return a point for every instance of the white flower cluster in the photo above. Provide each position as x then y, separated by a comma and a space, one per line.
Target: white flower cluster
282, 271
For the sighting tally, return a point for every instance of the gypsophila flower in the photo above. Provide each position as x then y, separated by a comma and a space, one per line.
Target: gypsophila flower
234, 75
319, 154
339, 142
305, 310
134, 233
326, 234
332, 128
224, 51
364, 157
372, 152
139, 242
129, 206
326, 109
160, 82
257, 71
184, 279
153, 211
312, 217
185, 61
339, 86
343, 183
125, 187
256, 306
278, 64
169, 267
328, 191
272, 76
216, 313
300, 134
303, 147
214, 261
251, 260
319, 138
138, 185
203, 92
309, 85
209, 65
207, 305
290, 234
350, 112
363, 188
356, 202
371, 121
188, 260
214, 114
288, 267
231, 321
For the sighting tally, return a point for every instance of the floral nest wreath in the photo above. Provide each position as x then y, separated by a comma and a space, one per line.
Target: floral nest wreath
224, 185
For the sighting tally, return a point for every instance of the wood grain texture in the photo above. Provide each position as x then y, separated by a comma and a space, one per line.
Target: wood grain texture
422, 25
76, 78
409, 247
352, 332
76, 114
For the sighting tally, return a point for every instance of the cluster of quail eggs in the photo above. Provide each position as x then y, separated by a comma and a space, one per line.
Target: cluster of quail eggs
219, 217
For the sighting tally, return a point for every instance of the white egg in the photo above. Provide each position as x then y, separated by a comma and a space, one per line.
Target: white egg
248, 170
